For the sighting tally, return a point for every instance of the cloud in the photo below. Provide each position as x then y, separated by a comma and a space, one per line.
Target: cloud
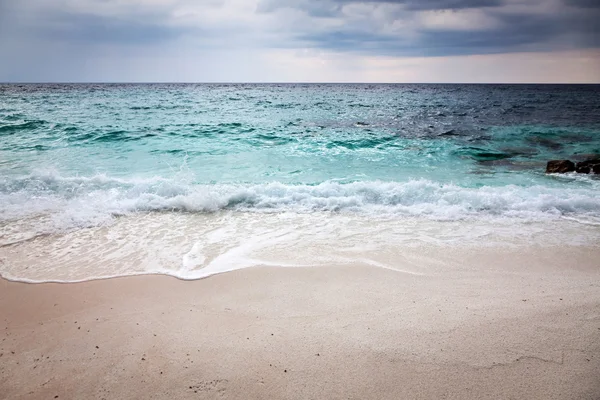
433, 4
89, 38
86, 29
583, 3
330, 7
441, 28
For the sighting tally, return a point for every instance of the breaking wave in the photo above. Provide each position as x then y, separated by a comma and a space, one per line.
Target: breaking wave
71, 202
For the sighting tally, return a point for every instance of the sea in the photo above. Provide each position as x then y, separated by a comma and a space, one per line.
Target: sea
190, 180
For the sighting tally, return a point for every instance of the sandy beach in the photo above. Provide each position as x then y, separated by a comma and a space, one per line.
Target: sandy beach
465, 323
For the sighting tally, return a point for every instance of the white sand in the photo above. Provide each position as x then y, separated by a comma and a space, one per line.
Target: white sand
475, 323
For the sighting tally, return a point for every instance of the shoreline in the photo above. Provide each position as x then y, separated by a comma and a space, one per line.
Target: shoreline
191, 247
473, 325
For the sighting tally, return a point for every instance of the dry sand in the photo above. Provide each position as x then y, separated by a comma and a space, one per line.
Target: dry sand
466, 324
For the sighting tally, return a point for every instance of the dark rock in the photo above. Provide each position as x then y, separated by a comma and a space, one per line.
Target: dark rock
585, 167
559, 166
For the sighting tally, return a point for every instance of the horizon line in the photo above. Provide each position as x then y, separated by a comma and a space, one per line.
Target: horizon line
284, 83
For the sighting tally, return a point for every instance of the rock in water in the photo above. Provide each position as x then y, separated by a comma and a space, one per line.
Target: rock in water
585, 167
559, 166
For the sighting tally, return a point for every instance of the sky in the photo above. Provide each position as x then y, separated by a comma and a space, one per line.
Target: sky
300, 41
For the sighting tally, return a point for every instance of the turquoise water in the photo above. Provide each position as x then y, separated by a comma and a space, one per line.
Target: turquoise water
412, 149
470, 135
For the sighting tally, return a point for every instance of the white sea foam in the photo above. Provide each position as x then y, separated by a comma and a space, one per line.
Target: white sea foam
197, 245
61, 203
55, 228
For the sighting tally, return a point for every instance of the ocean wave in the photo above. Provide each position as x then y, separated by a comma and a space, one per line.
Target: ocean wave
88, 201
19, 127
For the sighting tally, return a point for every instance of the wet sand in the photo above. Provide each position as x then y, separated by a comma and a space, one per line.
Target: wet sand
473, 323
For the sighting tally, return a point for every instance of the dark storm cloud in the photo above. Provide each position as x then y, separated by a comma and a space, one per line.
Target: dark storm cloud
333, 8
327, 8
491, 26
517, 27
438, 42
521, 34
583, 3
89, 39
431, 4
